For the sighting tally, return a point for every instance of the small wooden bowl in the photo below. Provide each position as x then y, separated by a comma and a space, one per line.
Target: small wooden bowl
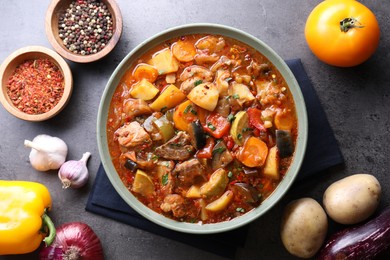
58, 7
32, 53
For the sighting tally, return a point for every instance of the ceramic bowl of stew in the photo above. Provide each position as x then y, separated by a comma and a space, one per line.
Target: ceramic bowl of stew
36, 83
80, 35
202, 128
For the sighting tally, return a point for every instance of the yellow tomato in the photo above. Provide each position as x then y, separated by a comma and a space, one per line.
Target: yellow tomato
342, 33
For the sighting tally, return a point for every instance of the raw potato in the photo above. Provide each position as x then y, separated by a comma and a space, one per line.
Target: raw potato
304, 227
352, 199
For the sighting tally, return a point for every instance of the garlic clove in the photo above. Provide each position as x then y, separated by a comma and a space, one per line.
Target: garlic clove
74, 173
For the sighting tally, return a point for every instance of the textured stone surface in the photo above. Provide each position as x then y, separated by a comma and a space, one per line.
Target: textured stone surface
356, 101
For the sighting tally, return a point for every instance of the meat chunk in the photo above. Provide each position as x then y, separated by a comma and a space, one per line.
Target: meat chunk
189, 172
174, 203
177, 148
164, 173
135, 107
132, 135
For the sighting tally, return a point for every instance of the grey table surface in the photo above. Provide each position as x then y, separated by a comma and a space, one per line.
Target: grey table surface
356, 101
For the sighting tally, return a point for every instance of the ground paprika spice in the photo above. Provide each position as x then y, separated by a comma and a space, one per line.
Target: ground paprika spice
36, 86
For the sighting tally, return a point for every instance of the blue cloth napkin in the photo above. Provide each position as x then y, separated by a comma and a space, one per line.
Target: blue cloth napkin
322, 152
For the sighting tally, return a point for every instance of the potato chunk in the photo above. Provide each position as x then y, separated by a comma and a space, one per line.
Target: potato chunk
221, 203
164, 62
205, 95
144, 90
169, 98
143, 184
271, 167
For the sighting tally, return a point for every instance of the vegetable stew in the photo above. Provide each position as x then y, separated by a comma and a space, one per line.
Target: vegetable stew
202, 128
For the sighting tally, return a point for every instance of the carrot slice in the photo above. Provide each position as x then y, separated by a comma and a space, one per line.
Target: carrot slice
284, 120
145, 71
184, 51
254, 152
184, 114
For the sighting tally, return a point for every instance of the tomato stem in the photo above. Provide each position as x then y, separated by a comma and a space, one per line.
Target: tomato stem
349, 23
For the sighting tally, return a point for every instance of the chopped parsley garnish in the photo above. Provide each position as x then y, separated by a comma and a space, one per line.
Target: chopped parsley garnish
246, 129
166, 164
211, 126
236, 96
193, 111
230, 174
199, 81
240, 210
239, 136
188, 108
164, 179
218, 150
231, 117
163, 109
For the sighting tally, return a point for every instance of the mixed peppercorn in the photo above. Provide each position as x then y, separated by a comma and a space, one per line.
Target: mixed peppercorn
85, 27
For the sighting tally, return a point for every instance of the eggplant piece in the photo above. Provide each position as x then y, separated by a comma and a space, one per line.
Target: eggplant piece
250, 171
131, 165
221, 156
249, 193
197, 134
140, 160
365, 241
284, 143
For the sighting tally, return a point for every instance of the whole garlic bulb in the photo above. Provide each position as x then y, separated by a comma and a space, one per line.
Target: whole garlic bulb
47, 152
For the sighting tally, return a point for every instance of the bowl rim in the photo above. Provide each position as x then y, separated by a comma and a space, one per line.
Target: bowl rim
58, 61
58, 47
196, 228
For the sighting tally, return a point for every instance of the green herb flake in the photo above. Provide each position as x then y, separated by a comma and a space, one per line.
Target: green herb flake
188, 108
239, 136
211, 126
236, 96
231, 117
193, 112
218, 150
240, 210
164, 179
199, 81
246, 129
230, 174
163, 109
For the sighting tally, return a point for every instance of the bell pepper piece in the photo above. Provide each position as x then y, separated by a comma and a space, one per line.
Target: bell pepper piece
23, 219
207, 150
217, 125
255, 121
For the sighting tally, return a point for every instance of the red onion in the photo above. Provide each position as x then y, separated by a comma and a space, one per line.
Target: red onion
75, 240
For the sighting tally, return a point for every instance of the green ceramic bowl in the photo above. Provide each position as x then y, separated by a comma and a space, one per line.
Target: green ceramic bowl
190, 227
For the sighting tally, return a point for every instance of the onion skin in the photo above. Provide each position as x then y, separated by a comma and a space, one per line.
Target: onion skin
74, 240
365, 241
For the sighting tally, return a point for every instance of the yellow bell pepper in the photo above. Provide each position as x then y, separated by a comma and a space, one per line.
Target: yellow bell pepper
23, 219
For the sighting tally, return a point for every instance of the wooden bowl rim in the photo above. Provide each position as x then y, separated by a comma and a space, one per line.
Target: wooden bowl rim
63, 51
13, 60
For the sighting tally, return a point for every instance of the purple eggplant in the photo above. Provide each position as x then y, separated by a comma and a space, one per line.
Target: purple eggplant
284, 143
365, 241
